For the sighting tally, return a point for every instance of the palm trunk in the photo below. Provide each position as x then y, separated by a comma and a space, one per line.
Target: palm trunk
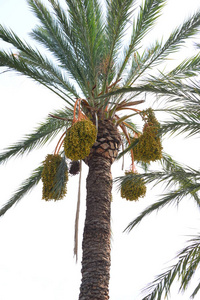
96, 238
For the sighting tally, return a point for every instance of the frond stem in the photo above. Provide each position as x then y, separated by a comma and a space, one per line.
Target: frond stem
129, 141
59, 144
59, 118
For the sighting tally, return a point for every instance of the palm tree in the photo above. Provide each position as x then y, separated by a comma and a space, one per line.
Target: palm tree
99, 79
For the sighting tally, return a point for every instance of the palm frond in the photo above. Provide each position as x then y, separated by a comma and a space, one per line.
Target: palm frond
19, 65
169, 164
52, 36
140, 61
25, 187
148, 14
196, 290
43, 134
187, 30
87, 26
118, 16
84, 34
188, 68
171, 198
183, 122
172, 90
66, 58
32, 63
184, 32
183, 270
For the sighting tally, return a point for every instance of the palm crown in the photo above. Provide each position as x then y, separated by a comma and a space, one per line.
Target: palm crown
101, 81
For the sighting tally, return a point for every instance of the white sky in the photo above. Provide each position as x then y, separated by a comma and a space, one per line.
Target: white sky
36, 252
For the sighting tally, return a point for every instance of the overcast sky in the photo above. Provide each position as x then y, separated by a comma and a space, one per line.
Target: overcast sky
36, 252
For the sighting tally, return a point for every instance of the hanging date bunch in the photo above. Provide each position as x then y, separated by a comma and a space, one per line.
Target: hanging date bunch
131, 184
80, 137
74, 168
149, 146
54, 177
132, 187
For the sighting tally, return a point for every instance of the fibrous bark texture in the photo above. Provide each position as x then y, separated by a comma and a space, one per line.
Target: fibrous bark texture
107, 143
96, 237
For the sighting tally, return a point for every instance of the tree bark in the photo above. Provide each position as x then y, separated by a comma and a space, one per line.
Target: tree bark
96, 238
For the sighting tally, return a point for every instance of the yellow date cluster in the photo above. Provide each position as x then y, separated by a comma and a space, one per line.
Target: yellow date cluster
51, 165
79, 139
133, 188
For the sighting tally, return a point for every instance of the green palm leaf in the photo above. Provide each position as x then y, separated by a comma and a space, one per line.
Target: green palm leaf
54, 39
172, 90
169, 199
118, 15
45, 78
173, 43
43, 134
25, 187
32, 63
183, 122
188, 68
183, 270
144, 22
